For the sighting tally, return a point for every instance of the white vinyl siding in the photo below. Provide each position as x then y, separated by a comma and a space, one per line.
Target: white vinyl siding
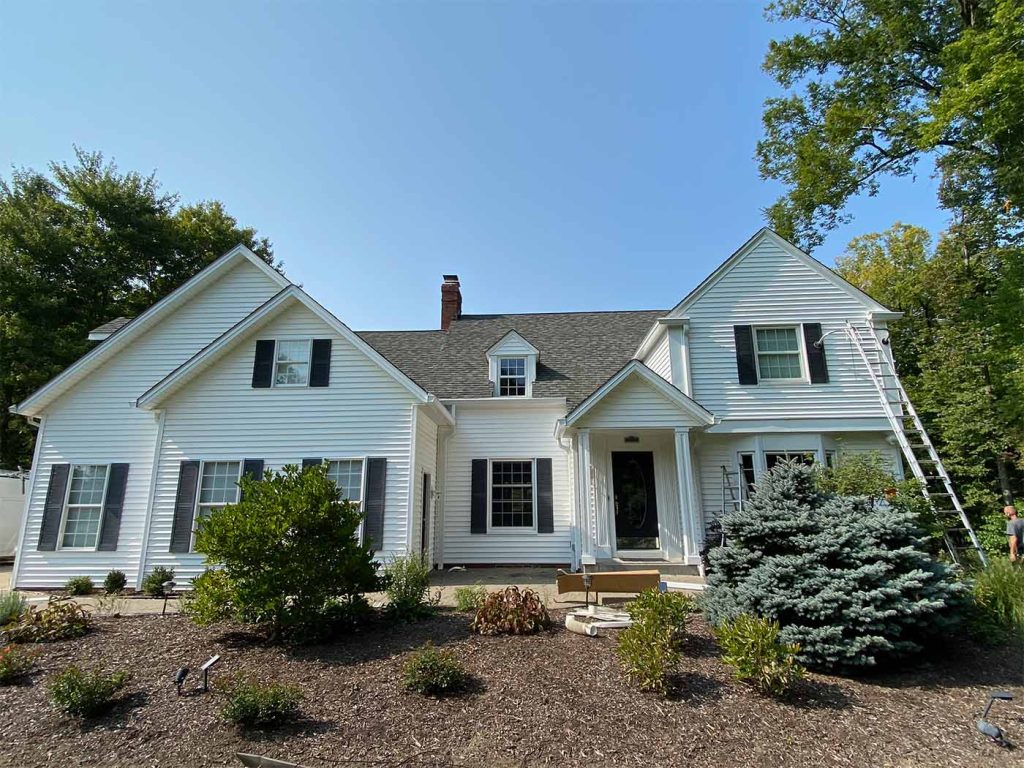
635, 404
426, 463
512, 429
364, 412
96, 422
771, 288
659, 359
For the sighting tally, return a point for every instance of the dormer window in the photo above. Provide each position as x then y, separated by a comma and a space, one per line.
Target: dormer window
512, 377
512, 366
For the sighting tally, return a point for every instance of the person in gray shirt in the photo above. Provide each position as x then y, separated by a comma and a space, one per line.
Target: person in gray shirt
1015, 532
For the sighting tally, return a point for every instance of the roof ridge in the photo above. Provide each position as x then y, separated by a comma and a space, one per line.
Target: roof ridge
464, 316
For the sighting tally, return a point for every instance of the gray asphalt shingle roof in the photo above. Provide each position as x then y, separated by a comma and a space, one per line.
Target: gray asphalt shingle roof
112, 325
579, 351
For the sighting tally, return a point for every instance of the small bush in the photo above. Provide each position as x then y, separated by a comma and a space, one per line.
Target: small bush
511, 612
998, 610
115, 582
407, 581
153, 584
470, 598
79, 586
83, 693
435, 673
261, 704
59, 620
667, 609
752, 648
209, 600
12, 607
15, 663
648, 654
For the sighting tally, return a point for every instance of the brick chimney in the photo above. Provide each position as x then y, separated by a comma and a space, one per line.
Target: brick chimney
451, 301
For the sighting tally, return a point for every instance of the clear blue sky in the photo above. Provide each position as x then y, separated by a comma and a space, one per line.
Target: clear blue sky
556, 155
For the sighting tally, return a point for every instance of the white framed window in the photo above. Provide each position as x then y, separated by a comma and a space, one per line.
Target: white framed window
747, 472
83, 509
512, 377
779, 356
347, 474
771, 458
512, 503
291, 362
218, 487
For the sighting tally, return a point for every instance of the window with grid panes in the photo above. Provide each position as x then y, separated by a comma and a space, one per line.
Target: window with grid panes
291, 366
347, 474
778, 353
512, 494
512, 376
84, 511
218, 486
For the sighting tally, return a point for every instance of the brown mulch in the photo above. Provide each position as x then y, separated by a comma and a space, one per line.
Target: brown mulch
556, 699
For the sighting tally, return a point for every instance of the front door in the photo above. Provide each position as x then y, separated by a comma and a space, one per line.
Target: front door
636, 505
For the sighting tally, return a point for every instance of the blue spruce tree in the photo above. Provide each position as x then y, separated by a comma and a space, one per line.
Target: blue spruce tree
847, 581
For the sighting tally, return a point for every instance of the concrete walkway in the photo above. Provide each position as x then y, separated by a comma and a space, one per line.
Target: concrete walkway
442, 583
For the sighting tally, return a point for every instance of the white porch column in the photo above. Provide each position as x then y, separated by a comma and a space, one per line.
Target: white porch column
687, 492
588, 523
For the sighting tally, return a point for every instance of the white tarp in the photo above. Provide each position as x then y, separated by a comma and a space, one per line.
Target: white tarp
12, 505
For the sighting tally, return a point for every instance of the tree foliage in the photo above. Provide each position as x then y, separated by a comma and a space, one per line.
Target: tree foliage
875, 86
82, 245
848, 581
284, 553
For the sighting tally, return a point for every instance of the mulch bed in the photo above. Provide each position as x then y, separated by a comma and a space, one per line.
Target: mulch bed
556, 699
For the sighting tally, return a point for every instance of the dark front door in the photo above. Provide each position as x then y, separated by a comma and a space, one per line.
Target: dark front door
636, 506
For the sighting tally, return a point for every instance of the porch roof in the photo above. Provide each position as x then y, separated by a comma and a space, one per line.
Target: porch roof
668, 406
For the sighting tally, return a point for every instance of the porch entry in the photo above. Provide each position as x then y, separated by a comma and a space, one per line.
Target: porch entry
636, 503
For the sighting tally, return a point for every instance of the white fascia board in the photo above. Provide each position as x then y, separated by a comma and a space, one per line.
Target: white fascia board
767, 234
503, 402
780, 425
156, 394
437, 413
637, 368
34, 404
496, 347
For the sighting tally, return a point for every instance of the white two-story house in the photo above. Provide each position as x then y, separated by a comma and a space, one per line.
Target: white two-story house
561, 438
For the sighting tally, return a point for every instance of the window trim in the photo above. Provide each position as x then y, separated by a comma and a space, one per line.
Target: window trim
527, 384
309, 362
362, 489
199, 493
511, 529
66, 507
801, 353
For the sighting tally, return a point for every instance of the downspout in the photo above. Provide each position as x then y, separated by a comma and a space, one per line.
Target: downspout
444, 434
413, 477
154, 472
39, 423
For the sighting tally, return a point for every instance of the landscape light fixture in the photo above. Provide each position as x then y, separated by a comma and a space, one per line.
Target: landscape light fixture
179, 679
991, 730
168, 587
206, 670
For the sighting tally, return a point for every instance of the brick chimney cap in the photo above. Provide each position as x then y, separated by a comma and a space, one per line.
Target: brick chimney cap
450, 278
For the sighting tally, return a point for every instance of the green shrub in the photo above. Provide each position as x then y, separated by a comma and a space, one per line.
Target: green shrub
209, 600
285, 551
153, 583
997, 613
115, 582
260, 704
435, 673
667, 609
847, 581
79, 586
83, 693
12, 607
407, 582
649, 654
60, 620
511, 612
470, 598
752, 648
15, 663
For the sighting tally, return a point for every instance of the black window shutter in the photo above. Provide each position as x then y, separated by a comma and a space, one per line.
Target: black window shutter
746, 360
252, 468
815, 355
263, 364
320, 363
53, 507
373, 525
307, 463
113, 504
478, 510
545, 498
185, 507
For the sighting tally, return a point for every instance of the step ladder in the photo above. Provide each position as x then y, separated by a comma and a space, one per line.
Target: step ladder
732, 490
917, 447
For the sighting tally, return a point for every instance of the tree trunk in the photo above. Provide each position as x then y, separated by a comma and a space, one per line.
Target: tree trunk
1003, 460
